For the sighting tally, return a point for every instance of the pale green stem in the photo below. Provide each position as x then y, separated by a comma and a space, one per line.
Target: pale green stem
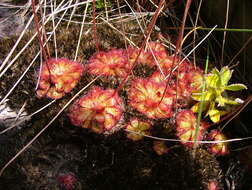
200, 106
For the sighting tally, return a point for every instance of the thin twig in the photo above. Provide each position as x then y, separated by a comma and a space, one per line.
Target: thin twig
187, 141
239, 52
192, 50
27, 69
178, 47
146, 39
94, 27
26, 118
81, 31
26, 45
72, 13
224, 34
45, 56
194, 34
54, 33
14, 47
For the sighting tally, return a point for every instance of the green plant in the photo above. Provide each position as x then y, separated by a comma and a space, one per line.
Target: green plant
215, 98
101, 4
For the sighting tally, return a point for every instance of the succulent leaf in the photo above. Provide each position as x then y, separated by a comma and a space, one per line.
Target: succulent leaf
225, 75
111, 63
214, 115
236, 87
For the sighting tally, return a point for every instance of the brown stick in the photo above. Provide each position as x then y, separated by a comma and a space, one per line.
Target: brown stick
178, 44
38, 31
44, 34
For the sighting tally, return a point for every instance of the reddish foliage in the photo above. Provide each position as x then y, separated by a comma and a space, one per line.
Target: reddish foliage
155, 54
186, 127
145, 96
187, 78
67, 181
58, 77
218, 148
213, 185
111, 63
160, 147
100, 110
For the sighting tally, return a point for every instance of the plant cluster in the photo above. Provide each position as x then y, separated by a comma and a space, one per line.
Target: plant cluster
154, 97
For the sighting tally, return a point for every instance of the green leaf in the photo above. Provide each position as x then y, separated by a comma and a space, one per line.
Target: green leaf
236, 87
225, 75
215, 71
195, 107
212, 80
220, 99
214, 115
223, 112
231, 102
197, 96
211, 106
206, 96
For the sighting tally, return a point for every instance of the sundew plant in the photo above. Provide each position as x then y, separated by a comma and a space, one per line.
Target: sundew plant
98, 69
